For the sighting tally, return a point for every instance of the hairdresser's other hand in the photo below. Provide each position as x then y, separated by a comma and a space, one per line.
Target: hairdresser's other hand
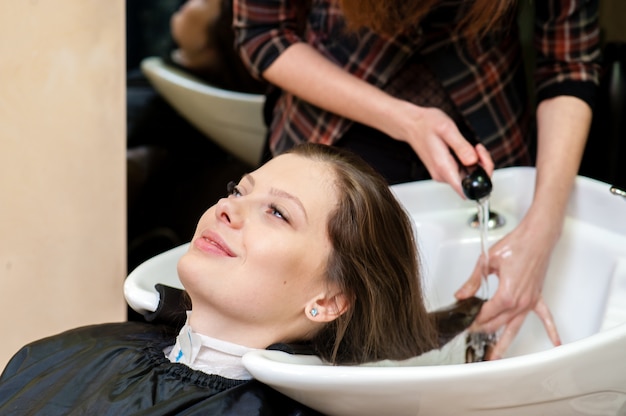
520, 260
433, 135
189, 27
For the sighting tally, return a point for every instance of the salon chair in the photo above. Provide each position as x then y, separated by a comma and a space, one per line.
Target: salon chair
233, 120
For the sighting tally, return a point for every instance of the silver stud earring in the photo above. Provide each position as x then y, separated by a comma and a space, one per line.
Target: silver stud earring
314, 312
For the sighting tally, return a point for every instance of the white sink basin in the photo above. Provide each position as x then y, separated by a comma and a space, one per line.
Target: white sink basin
585, 289
589, 258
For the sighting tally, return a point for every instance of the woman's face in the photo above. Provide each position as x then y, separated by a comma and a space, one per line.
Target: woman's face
257, 261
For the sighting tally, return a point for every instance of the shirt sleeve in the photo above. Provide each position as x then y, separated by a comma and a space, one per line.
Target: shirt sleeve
567, 44
264, 29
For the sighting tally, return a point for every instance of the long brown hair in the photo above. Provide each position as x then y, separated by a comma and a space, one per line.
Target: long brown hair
375, 262
390, 17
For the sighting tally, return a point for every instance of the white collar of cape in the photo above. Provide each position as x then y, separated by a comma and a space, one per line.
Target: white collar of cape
207, 354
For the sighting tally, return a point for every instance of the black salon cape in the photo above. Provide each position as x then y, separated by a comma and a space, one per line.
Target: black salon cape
120, 369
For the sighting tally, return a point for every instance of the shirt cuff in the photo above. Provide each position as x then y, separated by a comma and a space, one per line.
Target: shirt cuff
585, 90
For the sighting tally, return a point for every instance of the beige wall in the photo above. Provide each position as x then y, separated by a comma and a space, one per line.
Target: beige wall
62, 167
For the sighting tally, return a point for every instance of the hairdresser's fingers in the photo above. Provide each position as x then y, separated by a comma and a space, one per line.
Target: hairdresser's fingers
435, 137
484, 159
450, 174
506, 338
444, 166
542, 310
471, 285
464, 151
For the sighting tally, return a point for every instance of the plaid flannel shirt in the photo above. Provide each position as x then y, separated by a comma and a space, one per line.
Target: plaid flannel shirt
484, 78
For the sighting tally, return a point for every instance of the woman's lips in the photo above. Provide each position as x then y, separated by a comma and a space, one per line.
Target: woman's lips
212, 243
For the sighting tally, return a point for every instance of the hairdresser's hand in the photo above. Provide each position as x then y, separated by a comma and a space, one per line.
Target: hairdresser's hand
520, 260
190, 26
433, 135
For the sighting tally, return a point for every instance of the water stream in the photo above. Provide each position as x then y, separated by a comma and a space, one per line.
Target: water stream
483, 221
479, 344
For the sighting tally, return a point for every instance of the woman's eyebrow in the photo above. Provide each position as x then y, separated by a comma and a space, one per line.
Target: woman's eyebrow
283, 194
248, 177
280, 193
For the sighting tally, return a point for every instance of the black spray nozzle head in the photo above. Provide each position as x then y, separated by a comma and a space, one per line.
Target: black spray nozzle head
475, 183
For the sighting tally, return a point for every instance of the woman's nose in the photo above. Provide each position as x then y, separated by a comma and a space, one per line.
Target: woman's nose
230, 211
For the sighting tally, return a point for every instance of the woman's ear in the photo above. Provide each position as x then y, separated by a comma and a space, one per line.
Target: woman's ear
327, 308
